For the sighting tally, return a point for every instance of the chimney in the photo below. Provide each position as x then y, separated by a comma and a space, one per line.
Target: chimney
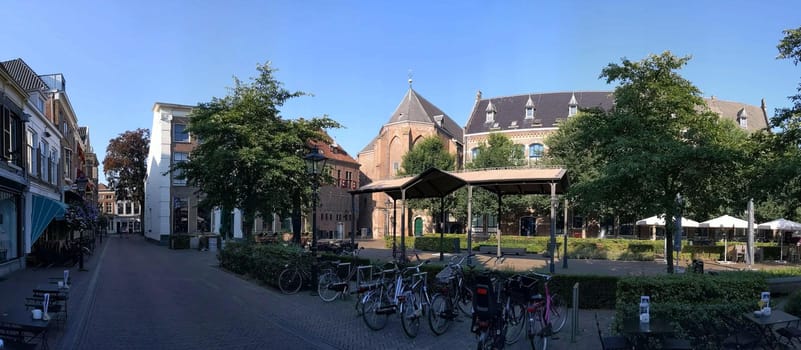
478, 95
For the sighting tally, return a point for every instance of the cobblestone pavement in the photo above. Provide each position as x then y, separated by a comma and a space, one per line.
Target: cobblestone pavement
137, 295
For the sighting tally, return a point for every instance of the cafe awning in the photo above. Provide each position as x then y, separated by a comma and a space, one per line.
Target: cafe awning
43, 210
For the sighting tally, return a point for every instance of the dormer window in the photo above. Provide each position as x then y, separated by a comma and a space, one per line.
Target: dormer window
513, 124
572, 106
742, 118
529, 108
490, 113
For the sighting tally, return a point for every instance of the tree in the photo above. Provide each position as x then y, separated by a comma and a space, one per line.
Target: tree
125, 166
497, 152
659, 141
780, 177
428, 153
249, 157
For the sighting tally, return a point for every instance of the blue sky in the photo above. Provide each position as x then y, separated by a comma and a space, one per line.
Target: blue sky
119, 57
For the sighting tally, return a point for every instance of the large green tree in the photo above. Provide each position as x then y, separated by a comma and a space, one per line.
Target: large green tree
779, 172
660, 140
497, 152
125, 166
249, 157
427, 153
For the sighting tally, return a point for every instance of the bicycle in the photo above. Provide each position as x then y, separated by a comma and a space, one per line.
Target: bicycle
291, 278
488, 320
545, 315
453, 294
414, 304
332, 284
387, 299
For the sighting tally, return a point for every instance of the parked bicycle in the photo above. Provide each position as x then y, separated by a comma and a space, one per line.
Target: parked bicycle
488, 319
292, 277
388, 298
452, 296
338, 282
545, 315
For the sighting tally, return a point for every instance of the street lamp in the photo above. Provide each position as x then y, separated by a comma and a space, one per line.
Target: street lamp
315, 163
80, 185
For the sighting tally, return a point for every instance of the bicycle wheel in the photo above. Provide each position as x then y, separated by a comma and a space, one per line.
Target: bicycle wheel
558, 313
324, 289
438, 317
515, 322
373, 315
290, 281
464, 301
484, 341
536, 334
411, 310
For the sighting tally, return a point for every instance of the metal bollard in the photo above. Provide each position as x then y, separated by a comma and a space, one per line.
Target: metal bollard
574, 322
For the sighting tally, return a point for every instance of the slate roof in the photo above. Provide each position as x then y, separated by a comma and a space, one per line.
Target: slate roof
415, 108
510, 111
548, 107
24, 75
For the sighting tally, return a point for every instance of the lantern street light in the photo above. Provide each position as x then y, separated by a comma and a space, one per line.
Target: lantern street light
80, 185
315, 163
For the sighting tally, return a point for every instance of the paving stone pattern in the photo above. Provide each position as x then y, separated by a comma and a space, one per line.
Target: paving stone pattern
137, 295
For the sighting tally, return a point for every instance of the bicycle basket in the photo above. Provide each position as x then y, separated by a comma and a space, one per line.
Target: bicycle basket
445, 275
521, 289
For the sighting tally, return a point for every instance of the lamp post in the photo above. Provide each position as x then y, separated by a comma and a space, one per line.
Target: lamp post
386, 226
80, 184
315, 163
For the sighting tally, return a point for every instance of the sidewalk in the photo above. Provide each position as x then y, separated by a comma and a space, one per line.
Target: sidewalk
19, 285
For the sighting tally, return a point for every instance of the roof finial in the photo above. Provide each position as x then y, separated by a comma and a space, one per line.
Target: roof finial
410, 78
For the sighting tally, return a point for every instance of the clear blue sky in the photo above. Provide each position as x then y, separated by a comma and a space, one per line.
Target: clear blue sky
119, 57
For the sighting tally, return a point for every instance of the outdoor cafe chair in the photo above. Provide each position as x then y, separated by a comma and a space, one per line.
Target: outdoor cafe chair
790, 333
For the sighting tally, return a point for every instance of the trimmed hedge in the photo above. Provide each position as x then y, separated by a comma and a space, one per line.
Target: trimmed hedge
431, 243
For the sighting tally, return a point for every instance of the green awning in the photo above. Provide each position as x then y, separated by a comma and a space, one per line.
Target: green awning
42, 212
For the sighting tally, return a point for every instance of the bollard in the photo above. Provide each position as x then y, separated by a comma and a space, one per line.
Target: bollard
574, 321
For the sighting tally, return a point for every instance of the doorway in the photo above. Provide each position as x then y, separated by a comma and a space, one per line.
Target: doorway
418, 227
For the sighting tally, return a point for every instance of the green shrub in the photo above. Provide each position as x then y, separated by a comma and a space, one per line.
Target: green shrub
432, 243
793, 305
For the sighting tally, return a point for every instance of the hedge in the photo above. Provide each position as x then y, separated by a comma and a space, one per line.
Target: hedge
695, 303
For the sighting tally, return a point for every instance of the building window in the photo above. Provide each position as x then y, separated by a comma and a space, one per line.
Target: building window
204, 218
31, 153
128, 209
474, 153
529, 112
180, 215
67, 163
119, 208
490, 113
12, 144
179, 133
178, 157
535, 151
572, 110
136, 208
109, 208
395, 168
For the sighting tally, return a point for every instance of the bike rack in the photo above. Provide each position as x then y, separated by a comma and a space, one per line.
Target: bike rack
575, 320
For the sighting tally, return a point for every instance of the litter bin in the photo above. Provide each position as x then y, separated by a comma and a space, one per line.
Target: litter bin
698, 266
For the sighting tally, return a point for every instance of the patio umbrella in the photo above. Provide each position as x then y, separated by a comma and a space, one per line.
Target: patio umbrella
725, 221
780, 225
659, 220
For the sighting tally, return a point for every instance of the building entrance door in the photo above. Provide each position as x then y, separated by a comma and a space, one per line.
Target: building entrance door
418, 226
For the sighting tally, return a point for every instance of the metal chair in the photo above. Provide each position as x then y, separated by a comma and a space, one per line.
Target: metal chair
790, 333
612, 342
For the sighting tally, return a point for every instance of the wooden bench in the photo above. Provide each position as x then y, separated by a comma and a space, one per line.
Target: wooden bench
492, 249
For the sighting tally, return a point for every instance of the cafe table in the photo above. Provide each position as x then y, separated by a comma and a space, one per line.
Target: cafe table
766, 323
20, 322
642, 331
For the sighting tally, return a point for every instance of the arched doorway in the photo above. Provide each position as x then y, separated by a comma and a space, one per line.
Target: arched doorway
528, 226
418, 226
